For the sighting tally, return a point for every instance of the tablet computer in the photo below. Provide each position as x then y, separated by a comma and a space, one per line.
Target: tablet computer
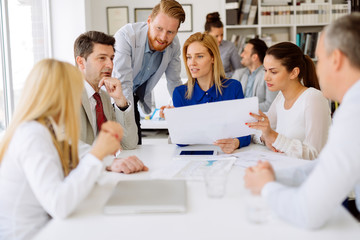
197, 152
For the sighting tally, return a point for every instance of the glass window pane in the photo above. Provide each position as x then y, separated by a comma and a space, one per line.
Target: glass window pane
2, 104
27, 39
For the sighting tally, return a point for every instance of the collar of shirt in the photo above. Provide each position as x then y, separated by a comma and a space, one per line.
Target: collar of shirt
147, 46
199, 93
89, 90
92, 102
351, 92
254, 72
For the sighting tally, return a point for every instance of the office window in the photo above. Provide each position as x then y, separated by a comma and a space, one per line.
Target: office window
28, 42
2, 104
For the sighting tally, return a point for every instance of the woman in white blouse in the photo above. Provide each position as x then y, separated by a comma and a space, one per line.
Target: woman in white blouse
298, 120
41, 175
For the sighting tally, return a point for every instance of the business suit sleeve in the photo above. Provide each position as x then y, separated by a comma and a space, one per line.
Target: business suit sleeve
295, 176
123, 63
127, 120
173, 70
87, 134
238, 74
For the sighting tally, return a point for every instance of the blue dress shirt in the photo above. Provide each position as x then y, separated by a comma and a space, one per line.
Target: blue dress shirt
250, 82
232, 90
150, 64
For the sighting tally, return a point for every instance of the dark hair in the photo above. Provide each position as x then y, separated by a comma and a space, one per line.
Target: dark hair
171, 8
259, 48
291, 57
213, 20
84, 44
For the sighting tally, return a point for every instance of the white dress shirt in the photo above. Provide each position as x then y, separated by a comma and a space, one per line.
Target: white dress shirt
302, 129
90, 93
32, 184
331, 178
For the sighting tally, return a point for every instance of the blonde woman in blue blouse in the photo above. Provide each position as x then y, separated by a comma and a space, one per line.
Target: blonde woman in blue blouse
207, 82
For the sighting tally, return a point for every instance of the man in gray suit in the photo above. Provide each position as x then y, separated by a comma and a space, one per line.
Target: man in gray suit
145, 51
94, 53
252, 76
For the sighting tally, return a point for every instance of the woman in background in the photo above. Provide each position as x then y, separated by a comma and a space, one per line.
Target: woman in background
298, 120
228, 52
41, 175
207, 83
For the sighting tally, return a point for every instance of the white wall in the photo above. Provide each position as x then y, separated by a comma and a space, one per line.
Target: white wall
200, 9
67, 23
70, 18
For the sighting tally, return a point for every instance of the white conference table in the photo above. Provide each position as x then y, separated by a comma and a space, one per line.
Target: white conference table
205, 218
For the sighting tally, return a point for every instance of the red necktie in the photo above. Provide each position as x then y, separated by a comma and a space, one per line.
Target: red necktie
100, 116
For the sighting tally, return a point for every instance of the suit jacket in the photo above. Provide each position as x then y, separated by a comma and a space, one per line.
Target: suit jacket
260, 90
129, 53
125, 118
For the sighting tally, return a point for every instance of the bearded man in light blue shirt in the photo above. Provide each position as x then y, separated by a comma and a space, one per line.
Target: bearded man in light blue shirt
145, 51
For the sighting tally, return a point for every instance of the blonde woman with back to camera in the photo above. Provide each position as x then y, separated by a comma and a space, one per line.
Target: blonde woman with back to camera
41, 175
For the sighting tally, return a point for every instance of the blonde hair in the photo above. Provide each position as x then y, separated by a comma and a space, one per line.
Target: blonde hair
210, 43
52, 89
171, 8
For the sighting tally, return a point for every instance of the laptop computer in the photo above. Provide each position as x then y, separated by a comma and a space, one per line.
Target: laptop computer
147, 196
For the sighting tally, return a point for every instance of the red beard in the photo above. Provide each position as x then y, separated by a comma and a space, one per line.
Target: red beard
155, 46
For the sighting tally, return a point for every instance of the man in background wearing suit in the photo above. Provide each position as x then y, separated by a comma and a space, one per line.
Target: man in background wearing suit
252, 76
145, 51
94, 53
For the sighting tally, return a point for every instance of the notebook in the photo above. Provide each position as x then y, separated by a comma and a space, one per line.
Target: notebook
147, 196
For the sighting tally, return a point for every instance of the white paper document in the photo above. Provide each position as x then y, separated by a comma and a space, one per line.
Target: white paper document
193, 169
208, 122
278, 160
